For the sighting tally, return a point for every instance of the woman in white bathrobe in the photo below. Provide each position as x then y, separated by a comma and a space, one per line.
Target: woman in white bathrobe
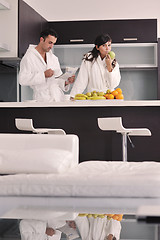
98, 72
40, 70
91, 228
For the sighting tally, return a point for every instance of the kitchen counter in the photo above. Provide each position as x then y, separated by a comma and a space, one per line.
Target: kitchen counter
83, 103
80, 118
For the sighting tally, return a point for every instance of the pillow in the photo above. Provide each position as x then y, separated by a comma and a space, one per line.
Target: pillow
35, 161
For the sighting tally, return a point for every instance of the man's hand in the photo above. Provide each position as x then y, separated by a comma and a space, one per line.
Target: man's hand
70, 80
48, 73
50, 231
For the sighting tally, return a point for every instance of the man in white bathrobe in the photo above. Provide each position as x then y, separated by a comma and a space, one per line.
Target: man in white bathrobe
40, 230
40, 69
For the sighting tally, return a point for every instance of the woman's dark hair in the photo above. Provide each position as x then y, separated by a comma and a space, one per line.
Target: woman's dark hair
100, 40
44, 34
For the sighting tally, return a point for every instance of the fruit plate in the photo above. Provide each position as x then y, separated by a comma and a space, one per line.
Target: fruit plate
114, 99
99, 100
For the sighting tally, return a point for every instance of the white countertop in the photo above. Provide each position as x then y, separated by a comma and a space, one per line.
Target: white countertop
81, 103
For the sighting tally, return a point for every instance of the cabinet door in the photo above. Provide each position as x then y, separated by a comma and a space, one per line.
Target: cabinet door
30, 25
76, 32
137, 30
136, 55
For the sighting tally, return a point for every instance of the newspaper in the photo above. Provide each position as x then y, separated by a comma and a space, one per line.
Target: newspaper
71, 233
70, 71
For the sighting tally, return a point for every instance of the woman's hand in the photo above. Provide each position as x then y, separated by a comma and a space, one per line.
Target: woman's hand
50, 231
108, 63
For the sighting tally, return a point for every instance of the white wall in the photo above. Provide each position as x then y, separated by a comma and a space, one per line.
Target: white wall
54, 10
9, 29
61, 10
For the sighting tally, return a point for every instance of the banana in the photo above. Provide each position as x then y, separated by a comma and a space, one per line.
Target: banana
80, 98
95, 215
101, 215
82, 214
98, 98
80, 95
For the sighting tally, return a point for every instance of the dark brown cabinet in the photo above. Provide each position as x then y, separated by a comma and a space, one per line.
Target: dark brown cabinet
121, 31
137, 30
30, 25
76, 32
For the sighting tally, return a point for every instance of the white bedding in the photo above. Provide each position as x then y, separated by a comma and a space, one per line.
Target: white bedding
89, 179
38, 153
38, 160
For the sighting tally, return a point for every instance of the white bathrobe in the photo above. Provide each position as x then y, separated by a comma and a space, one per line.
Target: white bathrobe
97, 228
32, 68
95, 76
35, 229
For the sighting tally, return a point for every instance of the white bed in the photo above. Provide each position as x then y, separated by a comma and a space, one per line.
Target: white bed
93, 186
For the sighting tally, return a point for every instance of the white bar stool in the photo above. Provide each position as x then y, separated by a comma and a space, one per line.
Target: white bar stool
27, 125
115, 124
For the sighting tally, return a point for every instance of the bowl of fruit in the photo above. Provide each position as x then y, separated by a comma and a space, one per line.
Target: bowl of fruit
115, 94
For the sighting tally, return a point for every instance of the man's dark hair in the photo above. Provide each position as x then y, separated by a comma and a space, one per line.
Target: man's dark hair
44, 34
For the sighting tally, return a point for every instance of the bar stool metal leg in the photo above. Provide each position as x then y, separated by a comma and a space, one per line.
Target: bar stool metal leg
124, 147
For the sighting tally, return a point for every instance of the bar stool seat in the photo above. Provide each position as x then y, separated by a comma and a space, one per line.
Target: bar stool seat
115, 124
25, 124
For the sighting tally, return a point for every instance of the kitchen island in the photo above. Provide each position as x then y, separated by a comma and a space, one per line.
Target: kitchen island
80, 118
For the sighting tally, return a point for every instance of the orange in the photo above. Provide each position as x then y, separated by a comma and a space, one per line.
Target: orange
115, 92
119, 96
120, 217
115, 217
106, 95
119, 90
110, 96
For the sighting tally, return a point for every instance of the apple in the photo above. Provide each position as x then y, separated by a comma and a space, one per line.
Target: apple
94, 94
112, 55
89, 94
100, 93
